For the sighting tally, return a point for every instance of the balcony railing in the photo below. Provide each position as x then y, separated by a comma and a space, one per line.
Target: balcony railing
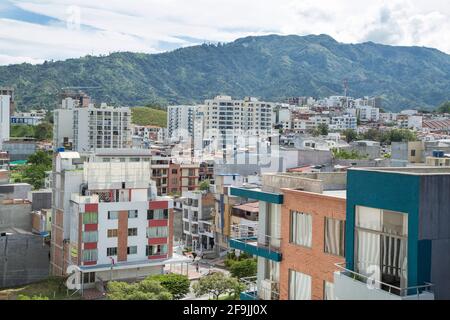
252, 291
247, 238
391, 289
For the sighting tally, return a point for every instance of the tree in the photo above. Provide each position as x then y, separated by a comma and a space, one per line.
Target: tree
347, 154
38, 164
398, 135
144, 290
444, 107
350, 135
204, 185
178, 285
43, 131
217, 284
244, 268
372, 134
323, 129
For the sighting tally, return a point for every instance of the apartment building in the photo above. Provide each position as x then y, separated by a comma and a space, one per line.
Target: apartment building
299, 235
343, 122
32, 118
368, 113
107, 221
9, 91
197, 220
84, 129
174, 178
180, 121
397, 235
4, 118
219, 122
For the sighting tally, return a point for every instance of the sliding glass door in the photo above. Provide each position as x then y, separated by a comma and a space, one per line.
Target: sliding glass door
381, 246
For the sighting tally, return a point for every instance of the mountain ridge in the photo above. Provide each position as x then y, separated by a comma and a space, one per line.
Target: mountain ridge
270, 67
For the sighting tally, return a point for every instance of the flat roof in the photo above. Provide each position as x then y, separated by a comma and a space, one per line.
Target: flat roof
336, 193
416, 170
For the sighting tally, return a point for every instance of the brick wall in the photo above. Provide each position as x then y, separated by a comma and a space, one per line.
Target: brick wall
311, 261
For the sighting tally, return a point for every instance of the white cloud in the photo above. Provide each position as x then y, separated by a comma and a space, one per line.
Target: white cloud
144, 26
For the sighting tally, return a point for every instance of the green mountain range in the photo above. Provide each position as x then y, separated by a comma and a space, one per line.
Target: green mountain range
269, 67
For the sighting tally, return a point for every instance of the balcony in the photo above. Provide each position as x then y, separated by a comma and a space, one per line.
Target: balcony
247, 239
268, 289
350, 285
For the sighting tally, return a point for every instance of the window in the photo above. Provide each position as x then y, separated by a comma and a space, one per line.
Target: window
157, 232
112, 233
90, 236
155, 250
132, 232
90, 217
111, 252
301, 229
328, 291
334, 236
90, 255
299, 286
413, 153
381, 238
157, 214
113, 215
132, 214
89, 277
132, 250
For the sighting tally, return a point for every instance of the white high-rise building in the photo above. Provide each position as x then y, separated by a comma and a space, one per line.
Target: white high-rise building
180, 121
90, 128
4, 119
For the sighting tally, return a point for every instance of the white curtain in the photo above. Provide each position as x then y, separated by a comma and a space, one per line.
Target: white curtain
334, 236
299, 286
329, 291
302, 229
368, 258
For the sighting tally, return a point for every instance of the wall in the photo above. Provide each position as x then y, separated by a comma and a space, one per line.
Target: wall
434, 232
311, 261
40, 200
15, 216
27, 260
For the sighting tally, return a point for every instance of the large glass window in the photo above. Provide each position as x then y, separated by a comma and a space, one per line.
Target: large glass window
301, 229
334, 236
157, 232
157, 214
90, 236
90, 217
90, 255
299, 286
381, 245
156, 250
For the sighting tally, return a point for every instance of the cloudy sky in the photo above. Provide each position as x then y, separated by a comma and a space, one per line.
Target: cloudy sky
37, 30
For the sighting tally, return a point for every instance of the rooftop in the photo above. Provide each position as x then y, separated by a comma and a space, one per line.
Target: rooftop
416, 170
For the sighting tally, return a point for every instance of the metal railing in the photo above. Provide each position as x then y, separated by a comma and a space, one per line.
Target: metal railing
249, 233
391, 289
256, 293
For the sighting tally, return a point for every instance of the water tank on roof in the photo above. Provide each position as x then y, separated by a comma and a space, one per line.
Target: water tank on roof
438, 154
60, 149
